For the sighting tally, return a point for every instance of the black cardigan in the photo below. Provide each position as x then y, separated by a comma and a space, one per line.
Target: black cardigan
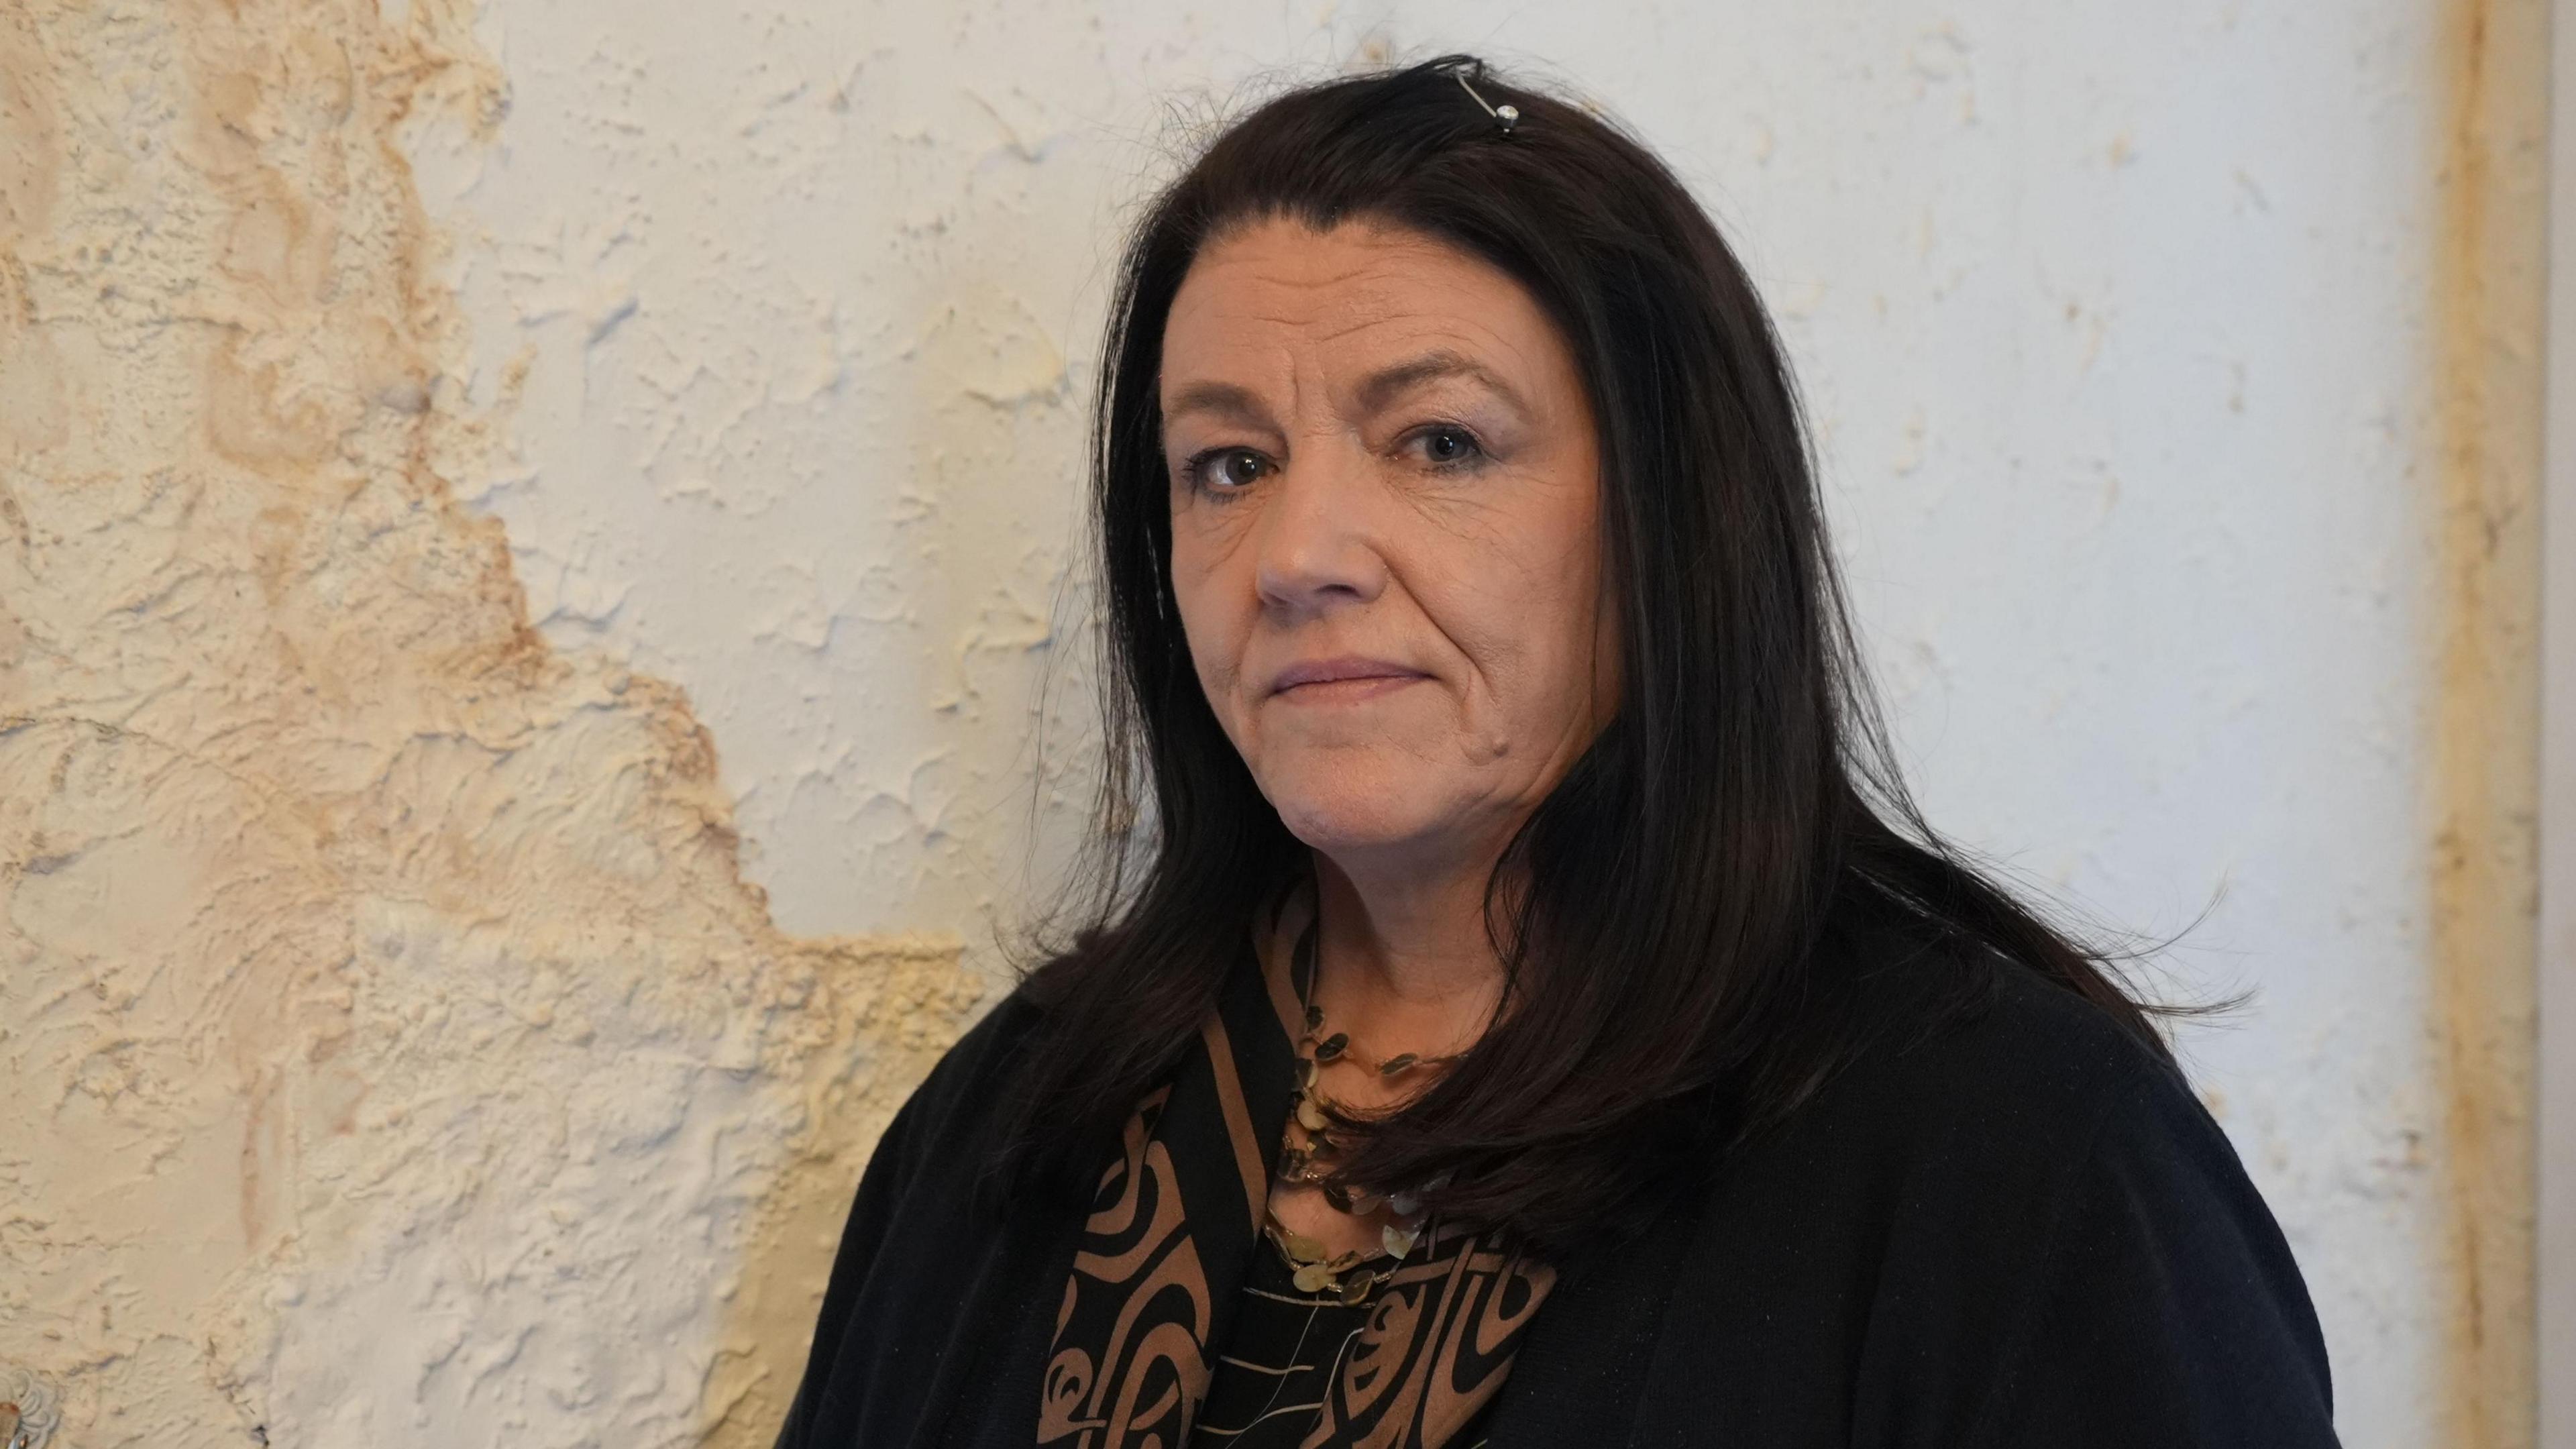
2023, 1230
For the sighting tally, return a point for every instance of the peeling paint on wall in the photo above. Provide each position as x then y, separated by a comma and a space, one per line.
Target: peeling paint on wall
390, 1048
2490, 278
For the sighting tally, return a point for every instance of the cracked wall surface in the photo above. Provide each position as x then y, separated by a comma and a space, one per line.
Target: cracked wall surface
539, 636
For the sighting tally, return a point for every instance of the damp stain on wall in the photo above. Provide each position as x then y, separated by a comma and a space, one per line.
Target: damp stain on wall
389, 1042
2484, 728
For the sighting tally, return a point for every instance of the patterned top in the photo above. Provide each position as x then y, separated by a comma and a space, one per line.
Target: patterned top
1305, 1371
1159, 1329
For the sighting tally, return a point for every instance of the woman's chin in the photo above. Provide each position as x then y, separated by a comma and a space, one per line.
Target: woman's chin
1363, 823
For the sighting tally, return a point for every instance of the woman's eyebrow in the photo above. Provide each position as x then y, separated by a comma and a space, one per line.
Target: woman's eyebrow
1385, 385
1224, 399
1375, 393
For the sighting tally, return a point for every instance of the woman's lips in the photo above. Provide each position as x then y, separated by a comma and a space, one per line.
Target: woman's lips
1345, 691
1341, 681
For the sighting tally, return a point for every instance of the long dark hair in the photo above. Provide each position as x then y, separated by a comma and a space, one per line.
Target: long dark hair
1667, 964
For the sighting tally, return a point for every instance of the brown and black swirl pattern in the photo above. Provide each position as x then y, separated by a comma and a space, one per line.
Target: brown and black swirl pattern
1128, 1365
1436, 1346
1160, 1265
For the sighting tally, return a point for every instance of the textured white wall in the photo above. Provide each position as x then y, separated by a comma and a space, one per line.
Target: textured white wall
2115, 323
390, 1052
419, 421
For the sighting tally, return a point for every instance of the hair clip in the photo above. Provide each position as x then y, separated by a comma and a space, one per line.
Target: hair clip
1509, 116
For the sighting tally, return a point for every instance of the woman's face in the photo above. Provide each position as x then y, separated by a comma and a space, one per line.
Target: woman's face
1386, 504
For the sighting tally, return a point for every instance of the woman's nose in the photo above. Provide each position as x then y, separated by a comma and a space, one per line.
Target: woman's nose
1316, 547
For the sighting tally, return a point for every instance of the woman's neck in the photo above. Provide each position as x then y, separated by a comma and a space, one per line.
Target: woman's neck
1404, 959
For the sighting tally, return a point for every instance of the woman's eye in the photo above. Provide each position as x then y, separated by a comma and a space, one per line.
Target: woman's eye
1447, 447
1227, 468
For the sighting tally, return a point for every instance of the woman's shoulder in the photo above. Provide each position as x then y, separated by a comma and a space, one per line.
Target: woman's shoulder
2053, 1121
1967, 1040
1984, 1096
2055, 1163
967, 1082
2008, 1217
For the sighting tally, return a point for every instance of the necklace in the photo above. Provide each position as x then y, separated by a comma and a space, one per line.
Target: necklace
1337, 1047
1352, 1274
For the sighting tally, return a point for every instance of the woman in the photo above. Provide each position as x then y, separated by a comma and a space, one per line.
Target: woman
1534, 1015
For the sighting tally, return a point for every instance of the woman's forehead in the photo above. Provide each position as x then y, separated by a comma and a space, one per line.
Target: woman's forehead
1277, 303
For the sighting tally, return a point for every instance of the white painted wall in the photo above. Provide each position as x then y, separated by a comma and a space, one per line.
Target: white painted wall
2113, 319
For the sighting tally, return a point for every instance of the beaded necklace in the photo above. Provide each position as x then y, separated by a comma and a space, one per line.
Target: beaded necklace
1353, 1274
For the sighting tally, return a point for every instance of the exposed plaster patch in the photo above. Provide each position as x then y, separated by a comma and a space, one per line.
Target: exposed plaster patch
390, 1048
2488, 277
